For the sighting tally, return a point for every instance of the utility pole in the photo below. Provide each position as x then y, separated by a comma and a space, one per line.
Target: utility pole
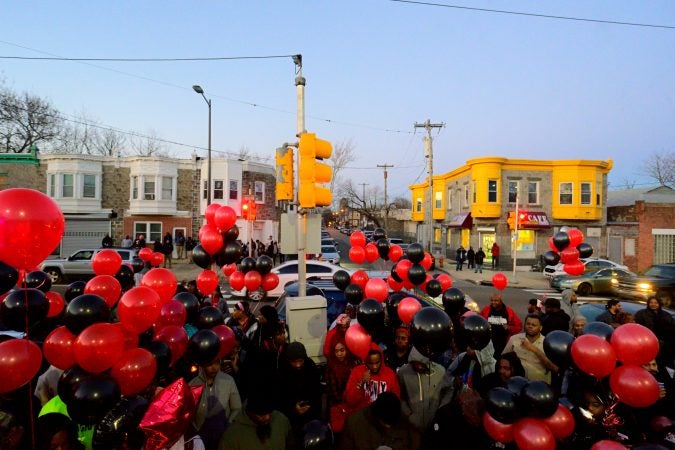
364, 200
386, 204
301, 217
514, 277
429, 155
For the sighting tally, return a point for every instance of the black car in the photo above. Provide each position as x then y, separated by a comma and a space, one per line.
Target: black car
657, 281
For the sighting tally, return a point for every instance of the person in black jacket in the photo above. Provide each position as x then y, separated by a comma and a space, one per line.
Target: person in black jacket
471, 258
554, 318
479, 257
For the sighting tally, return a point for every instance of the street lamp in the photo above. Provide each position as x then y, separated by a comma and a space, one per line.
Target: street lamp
198, 89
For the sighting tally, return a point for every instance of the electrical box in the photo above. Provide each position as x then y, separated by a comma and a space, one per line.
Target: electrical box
307, 322
289, 234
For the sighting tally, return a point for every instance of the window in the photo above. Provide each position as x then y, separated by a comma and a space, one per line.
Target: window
259, 192
149, 190
474, 192
291, 268
234, 190
513, 191
466, 196
450, 199
565, 193
218, 189
167, 188
664, 248
492, 191
89, 186
51, 190
315, 268
67, 185
134, 188
586, 193
418, 205
151, 230
597, 194
439, 200
84, 255
533, 192
206, 190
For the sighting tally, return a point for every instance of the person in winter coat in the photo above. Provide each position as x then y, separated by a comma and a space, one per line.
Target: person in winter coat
568, 303
471, 258
460, 257
504, 321
335, 334
480, 257
339, 367
663, 326
554, 318
397, 355
425, 387
367, 381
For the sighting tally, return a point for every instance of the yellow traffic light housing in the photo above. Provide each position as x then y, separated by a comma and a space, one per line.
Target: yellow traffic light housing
285, 172
312, 171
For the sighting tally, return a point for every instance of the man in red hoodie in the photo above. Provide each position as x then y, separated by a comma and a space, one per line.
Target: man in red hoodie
504, 321
369, 380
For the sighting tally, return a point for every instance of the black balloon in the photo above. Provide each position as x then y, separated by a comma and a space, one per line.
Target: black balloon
228, 254
431, 331
585, 250
502, 405
9, 276
370, 315
392, 308
37, 279
118, 422
200, 257
264, 264
538, 399
516, 384
453, 300
394, 275
415, 252
434, 288
417, 274
477, 331
557, 346
379, 233
551, 258
341, 279
247, 264
85, 310
137, 264
561, 240
601, 329
69, 380
74, 289
92, 398
126, 277
23, 308
231, 235
191, 304
162, 354
353, 294
145, 337
317, 436
383, 248
209, 317
203, 347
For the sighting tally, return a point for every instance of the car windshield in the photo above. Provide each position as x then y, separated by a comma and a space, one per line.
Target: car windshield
328, 249
661, 271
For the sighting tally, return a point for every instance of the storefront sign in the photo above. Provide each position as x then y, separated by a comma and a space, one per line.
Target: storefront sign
463, 220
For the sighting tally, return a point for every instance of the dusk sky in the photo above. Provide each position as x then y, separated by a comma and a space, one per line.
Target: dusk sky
504, 85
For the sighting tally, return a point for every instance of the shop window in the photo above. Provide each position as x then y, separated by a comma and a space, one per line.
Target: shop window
533, 192
565, 194
218, 187
167, 188
513, 191
525, 241
586, 193
234, 190
492, 191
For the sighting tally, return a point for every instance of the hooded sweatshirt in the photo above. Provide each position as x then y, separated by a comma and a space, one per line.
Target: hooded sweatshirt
383, 381
218, 405
423, 393
571, 309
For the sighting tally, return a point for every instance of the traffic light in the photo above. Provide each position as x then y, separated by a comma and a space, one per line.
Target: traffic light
248, 209
284, 173
511, 219
312, 171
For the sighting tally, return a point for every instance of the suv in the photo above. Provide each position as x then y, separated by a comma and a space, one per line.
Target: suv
78, 265
658, 281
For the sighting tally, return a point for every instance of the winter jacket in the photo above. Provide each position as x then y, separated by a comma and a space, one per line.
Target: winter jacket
383, 381
571, 309
499, 318
480, 256
241, 435
218, 405
363, 432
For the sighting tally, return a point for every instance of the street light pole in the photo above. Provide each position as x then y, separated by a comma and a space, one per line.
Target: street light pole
198, 89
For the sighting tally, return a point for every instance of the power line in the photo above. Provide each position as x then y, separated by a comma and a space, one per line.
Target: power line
214, 58
544, 16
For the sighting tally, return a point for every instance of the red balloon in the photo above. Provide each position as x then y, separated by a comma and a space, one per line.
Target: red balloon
207, 281
252, 280
225, 218
237, 281
210, 213
499, 281
445, 280
58, 348
576, 237
500, 432
56, 303
270, 281
173, 312
157, 259
407, 308
20, 360
145, 254
357, 255
130, 337
561, 423
31, 227
227, 341
134, 370
371, 253
175, 338
105, 286
568, 255
634, 386
360, 277
402, 268
210, 239
98, 347
532, 434
106, 262
634, 344
395, 252
357, 239
229, 269
407, 284
139, 308
162, 281
606, 444
358, 341
593, 355
574, 268
393, 284
376, 288
426, 261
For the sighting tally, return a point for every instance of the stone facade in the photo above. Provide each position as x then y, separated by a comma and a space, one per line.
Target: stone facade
268, 209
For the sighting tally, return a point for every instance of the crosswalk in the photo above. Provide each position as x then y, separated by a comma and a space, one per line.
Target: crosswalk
552, 293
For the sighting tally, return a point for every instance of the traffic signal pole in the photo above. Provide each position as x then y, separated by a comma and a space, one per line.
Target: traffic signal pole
301, 217
514, 277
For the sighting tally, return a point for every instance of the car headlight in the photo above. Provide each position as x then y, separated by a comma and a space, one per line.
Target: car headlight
614, 281
645, 286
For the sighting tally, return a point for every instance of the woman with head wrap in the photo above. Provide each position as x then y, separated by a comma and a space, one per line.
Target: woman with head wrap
335, 334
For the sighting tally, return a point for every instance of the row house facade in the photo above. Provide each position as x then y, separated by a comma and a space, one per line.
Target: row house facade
474, 205
133, 195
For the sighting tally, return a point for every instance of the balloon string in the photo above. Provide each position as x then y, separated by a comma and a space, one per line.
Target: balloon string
30, 382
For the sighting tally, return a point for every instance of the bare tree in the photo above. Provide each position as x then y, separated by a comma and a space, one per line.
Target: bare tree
661, 167
367, 205
343, 154
402, 203
26, 120
244, 153
110, 142
148, 145
77, 136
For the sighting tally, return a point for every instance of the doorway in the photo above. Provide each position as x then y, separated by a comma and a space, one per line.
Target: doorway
485, 241
175, 247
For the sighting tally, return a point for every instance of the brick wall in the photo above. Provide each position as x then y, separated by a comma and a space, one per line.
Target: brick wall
115, 192
268, 210
25, 176
650, 216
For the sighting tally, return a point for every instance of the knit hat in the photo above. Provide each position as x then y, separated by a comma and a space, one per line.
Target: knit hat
295, 350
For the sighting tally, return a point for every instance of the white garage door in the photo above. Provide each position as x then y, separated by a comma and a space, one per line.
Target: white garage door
83, 234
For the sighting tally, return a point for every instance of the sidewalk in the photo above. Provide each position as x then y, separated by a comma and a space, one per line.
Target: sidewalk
525, 279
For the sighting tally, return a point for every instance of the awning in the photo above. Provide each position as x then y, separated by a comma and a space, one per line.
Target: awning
463, 220
532, 220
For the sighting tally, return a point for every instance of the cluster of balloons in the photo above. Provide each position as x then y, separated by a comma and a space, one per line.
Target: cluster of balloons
568, 246
252, 274
361, 251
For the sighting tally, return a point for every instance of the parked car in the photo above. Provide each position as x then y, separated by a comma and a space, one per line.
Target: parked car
78, 265
603, 281
399, 242
657, 281
591, 264
329, 241
329, 253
